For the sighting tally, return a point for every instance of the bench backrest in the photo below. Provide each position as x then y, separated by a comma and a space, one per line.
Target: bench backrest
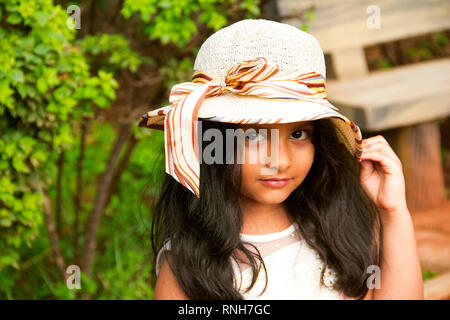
344, 28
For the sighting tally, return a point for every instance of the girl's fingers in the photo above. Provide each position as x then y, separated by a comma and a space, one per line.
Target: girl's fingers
377, 140
387, 162
385, 151
380, 145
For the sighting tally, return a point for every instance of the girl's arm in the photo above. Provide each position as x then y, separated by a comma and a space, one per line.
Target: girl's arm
382, 179
167, 287
401, 274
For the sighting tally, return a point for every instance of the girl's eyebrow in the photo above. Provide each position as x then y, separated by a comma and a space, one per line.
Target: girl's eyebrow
300, 125
303, 125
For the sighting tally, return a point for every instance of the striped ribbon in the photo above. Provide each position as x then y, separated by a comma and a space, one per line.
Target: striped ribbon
258, 77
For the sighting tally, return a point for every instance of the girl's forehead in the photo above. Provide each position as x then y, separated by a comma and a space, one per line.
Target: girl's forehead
288, 125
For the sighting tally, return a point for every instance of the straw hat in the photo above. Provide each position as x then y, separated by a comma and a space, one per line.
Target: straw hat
253, 71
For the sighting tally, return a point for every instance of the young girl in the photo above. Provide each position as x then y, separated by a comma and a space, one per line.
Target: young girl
320, 222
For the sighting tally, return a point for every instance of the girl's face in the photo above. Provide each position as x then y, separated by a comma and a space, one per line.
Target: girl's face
295, 158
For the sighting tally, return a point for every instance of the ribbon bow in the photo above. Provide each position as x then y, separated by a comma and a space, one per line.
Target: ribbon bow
257, 77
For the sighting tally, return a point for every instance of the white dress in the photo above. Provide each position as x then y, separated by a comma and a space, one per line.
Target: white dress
293, 268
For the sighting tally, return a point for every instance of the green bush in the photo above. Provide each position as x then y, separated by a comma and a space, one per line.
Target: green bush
45, 86
53, 83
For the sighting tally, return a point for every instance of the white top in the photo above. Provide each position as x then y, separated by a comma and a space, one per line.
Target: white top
294, 268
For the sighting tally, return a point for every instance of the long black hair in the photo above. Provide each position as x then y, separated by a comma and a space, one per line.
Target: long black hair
335, 217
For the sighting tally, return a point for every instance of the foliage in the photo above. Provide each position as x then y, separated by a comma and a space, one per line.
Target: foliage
384, 63
170, 21
309, 16
45, 85
115, 50
51, 82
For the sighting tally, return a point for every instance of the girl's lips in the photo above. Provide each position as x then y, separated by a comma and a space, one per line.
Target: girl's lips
275, 183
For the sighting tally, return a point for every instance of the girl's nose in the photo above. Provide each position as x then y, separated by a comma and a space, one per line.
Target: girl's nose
279, 156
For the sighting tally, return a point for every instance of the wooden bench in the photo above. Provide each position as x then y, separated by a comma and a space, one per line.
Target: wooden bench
402, 103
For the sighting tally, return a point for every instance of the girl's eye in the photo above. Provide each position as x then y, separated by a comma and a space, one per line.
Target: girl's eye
299, 136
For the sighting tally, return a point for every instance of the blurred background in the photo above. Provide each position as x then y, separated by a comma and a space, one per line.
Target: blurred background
77, 175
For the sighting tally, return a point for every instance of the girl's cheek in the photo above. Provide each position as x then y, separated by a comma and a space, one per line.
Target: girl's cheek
308, 159
255, 154
302, 160
249, 180
249, 173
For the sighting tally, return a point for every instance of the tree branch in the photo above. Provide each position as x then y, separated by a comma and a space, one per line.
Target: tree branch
132, 143
150, 80
54, 242
101, 198
78, 192
59, 202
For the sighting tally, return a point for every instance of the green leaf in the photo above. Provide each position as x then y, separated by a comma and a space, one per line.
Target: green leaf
42, 17
441, 39
89, 92
38, 157
8, 199
165, 4
5, 222
6, 185
14, 18
14, 241
61, 93
109, 92
30, 202
27, 144
217, 21
41, 49
16, 75
19, 165
5, 90
22, 90
101, 101
42, 85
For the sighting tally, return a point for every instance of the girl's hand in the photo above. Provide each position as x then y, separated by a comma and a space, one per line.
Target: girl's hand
381, 175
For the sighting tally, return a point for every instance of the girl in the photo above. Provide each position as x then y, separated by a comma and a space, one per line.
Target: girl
325, 223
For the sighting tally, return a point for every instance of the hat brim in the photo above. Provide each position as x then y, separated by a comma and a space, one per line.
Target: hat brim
233, 108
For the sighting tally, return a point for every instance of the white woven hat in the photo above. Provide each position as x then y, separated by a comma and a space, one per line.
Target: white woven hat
239, 78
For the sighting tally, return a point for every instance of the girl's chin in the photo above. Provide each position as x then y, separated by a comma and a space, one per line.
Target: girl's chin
272, 196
